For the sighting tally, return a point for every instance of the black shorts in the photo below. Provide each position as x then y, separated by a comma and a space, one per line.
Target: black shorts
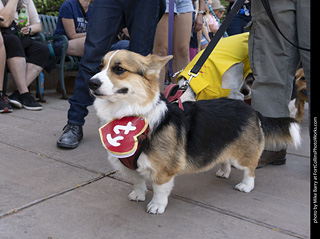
35, 52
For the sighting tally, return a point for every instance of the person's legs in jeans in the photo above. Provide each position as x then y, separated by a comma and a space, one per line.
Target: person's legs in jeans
142, 19
141, 22
106, 20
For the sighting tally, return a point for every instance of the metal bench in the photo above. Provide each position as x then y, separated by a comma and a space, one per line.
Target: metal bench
66, 62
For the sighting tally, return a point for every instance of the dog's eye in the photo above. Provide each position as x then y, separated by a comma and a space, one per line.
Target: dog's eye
119, 70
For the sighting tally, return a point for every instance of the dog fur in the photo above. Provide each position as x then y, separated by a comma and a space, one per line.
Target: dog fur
302, 95
209, 132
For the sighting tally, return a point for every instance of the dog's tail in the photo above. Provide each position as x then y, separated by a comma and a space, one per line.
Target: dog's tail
280, 131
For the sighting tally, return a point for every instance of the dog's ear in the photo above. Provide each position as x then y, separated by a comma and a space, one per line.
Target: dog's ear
155, 63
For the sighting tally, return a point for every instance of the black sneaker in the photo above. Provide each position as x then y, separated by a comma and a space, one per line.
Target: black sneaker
5, 107
15, 100
29, 103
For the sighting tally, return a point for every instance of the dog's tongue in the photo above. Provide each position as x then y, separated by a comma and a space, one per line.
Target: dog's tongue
120, 136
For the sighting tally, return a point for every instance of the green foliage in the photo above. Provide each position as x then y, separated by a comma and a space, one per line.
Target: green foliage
224, 3
48, 7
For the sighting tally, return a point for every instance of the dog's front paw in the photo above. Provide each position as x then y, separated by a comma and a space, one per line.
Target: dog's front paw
244, 187
137, 195
156, 207
222, 174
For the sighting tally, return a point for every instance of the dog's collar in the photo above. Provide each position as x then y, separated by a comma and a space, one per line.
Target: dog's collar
125, 138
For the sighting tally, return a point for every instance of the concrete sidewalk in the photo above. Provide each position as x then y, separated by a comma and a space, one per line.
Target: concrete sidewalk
50, 193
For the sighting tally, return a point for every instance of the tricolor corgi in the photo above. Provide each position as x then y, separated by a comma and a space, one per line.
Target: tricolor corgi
205, 133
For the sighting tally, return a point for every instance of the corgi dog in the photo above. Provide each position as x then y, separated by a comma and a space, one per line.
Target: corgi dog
207, 132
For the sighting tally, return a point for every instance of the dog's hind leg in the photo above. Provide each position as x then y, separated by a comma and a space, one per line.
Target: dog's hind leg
139, 188
300, 111
159, 200
247, 183
224, 171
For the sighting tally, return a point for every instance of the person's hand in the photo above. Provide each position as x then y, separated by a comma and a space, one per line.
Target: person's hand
25, 30
198, 23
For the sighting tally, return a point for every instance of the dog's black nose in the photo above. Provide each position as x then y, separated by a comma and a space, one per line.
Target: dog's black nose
244, 91
94, 83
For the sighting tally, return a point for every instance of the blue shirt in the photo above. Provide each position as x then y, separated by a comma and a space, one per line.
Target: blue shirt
70, 9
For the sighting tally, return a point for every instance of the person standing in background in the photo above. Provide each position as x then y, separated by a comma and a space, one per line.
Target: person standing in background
107, 19
274, 61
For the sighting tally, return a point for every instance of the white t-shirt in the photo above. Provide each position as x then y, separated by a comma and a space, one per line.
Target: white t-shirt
31, 11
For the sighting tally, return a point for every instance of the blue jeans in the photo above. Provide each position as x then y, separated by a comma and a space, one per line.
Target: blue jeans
107, 19
120, 45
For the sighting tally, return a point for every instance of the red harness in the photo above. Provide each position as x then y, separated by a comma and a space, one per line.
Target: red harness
125, 139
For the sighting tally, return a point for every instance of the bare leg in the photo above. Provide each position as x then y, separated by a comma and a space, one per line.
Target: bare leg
17, 67
32, 72
181, 40
76, 47
160, 47
2, 61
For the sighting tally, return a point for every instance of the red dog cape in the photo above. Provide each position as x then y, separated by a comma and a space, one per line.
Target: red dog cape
120, 136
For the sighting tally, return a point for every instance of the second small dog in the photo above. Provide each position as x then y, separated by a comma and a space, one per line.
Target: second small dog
207, 132
302, 94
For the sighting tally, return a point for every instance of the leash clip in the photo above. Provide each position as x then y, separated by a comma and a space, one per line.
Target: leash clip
185, 85
191, 74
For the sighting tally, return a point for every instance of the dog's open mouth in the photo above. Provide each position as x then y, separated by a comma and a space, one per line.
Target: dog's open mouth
97, 94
